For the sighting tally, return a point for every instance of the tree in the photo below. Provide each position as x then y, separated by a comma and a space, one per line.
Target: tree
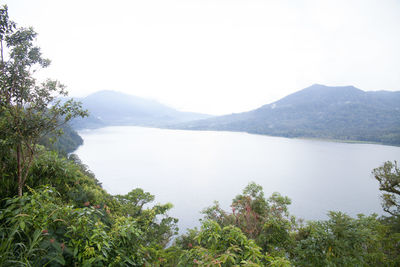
267, 221
222, 246
29, 109
388, 176
158, 227
345, 241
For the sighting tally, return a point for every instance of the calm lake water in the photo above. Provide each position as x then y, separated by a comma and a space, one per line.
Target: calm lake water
191, 169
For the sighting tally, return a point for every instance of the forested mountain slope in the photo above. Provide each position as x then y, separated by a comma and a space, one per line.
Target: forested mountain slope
343, 113
68, 142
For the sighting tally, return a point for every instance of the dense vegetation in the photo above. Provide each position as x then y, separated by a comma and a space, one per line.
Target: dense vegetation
54, 212
65, 218
341, 113
68, 142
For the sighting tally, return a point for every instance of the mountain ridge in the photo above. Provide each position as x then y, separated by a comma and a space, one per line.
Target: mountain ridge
109, 107
318, 111
324, 112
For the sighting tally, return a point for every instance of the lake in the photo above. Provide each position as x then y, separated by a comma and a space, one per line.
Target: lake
191, 169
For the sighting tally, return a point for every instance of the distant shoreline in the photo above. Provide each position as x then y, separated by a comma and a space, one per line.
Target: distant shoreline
208, 130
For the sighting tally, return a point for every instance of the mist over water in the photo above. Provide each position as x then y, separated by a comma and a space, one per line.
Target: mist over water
191, 169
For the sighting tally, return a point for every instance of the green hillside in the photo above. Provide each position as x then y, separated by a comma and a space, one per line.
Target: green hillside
342, 113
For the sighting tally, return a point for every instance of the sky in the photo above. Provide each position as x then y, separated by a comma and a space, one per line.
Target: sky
215, 56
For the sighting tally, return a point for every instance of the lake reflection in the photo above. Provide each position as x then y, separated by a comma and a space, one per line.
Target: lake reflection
191, 169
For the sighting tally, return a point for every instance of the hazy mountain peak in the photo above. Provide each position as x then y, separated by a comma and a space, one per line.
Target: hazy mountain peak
322, 94
110, 107
317, 87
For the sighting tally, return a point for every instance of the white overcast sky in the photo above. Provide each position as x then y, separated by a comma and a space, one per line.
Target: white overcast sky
215, 56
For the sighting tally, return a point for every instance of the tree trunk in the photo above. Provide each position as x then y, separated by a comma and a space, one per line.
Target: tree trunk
19, 170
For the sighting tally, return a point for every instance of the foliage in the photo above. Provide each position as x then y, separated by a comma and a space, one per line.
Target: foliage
267, 221
262, 225
388, 176
226, 246
339, 241
344, 241
66, 143
75, 222
28, 109
55, 231
66, 218
68, 177
162, 227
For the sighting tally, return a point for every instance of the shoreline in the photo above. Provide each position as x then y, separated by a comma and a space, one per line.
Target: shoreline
261, 134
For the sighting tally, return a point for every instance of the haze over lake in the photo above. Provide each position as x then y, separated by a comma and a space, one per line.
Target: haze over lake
191, 169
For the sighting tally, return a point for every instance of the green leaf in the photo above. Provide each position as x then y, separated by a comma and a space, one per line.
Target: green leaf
22, 225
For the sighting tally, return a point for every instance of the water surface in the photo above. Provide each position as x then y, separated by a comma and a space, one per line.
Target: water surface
191, 169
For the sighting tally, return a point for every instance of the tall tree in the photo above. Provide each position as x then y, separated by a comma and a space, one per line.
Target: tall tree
388, 176
29, 109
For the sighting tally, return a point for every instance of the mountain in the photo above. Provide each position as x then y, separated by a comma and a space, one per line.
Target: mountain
342, 113
115, 108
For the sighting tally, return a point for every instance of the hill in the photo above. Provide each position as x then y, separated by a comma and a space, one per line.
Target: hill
114, 108
342, 113
69, 141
